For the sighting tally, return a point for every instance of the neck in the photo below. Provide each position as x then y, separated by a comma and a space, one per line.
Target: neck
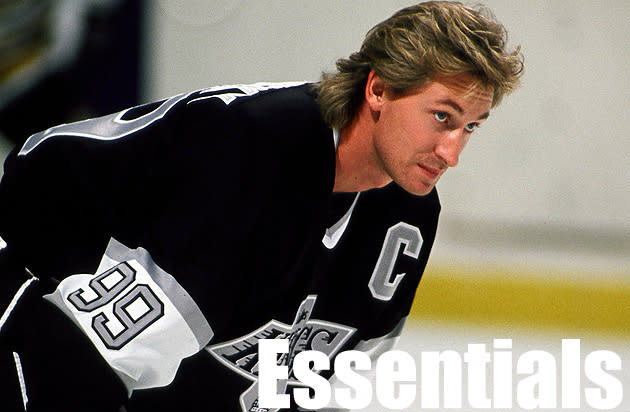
358, 167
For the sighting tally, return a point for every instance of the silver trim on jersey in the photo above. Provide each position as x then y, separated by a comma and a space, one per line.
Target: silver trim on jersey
246, 89
110, 127
180, 298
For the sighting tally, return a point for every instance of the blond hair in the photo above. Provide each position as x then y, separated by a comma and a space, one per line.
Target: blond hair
417, 43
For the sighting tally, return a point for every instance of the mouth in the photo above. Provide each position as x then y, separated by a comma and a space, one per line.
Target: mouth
431, 172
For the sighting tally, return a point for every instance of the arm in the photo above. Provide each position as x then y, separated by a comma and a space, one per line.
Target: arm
61, 197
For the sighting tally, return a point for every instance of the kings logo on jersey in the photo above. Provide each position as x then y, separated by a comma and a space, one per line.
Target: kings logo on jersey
241, 355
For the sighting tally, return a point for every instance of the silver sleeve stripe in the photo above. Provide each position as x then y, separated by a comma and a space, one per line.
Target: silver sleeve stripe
109, 127
184, 303
15, 300
227, 95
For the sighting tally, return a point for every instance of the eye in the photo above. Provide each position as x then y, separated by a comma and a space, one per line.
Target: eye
440, 116
470, 127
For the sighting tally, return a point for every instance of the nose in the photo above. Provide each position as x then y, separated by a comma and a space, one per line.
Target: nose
450, 146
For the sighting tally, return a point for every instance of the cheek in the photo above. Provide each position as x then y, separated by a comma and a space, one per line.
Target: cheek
405, 132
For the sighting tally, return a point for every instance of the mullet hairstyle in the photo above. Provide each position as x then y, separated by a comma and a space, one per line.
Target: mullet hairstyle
416, 43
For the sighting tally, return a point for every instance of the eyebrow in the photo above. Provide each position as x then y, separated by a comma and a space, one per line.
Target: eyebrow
459, 109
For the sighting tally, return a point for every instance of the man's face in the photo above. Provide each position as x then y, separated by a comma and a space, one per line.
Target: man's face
420, 134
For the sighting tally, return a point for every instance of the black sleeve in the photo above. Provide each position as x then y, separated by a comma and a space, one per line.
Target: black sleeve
191, 161
70, 187
46, 363
61, 197
200, 186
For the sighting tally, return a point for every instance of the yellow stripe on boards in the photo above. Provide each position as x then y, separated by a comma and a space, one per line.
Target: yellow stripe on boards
521, 299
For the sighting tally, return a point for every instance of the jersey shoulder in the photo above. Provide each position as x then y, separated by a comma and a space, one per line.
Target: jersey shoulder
284, 116
232, 107
241, 144
276, 130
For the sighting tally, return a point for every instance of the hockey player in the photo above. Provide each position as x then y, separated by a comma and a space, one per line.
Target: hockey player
145, 253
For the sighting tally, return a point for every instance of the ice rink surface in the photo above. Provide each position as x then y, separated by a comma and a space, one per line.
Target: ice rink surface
425, 336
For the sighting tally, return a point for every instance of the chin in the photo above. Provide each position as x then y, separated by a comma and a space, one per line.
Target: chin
418, 189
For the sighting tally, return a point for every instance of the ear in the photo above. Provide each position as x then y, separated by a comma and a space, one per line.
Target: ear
374, 91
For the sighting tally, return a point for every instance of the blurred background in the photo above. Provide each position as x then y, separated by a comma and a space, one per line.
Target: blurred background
534, 238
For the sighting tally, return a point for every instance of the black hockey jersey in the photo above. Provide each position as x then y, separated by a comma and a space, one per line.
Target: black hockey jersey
177, 234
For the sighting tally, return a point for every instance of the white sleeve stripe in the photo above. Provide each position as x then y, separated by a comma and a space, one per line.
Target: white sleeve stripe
14, 301
20, 373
